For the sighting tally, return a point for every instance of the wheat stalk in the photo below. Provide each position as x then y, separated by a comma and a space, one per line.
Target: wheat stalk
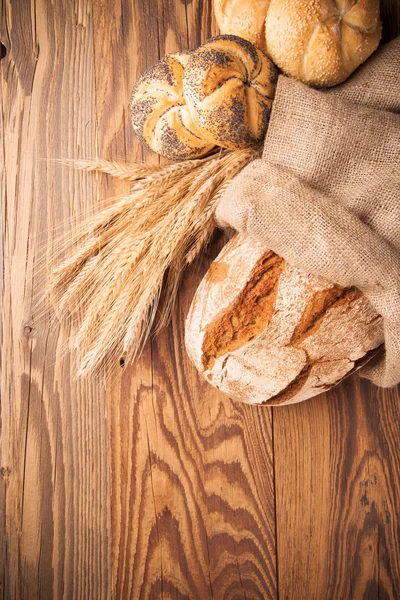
129, 250
120, 171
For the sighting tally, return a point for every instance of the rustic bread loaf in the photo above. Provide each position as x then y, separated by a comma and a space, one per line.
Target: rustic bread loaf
321, 42
159, 114
243, 17
266, 333
229, 85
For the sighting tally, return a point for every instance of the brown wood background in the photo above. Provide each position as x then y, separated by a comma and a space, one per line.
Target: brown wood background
154, 485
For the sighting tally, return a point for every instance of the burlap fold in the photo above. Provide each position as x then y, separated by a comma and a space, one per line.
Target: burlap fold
326, 193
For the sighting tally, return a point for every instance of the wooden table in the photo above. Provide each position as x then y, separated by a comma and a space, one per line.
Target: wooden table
153, 485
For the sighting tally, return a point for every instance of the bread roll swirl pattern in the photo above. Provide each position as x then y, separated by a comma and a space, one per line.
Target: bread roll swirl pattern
229, 86
159, 114
321, 42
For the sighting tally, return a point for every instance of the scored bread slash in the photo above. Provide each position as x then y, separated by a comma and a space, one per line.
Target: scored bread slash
267, 333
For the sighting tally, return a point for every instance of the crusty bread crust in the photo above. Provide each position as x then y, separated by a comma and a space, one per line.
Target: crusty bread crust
159, 114
264, 332
229, 85
321, 42
219, 94
245, 18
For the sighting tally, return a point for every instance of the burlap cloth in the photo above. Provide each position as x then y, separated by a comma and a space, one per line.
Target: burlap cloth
326, 193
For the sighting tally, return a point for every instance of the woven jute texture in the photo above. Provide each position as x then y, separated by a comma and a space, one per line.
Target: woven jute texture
326, 193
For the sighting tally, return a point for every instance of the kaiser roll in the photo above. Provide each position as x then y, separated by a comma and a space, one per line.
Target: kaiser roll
229, 86
321, 42
243, 17
159, 114
266, 333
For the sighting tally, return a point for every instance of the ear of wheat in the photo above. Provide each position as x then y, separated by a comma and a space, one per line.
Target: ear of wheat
129, 250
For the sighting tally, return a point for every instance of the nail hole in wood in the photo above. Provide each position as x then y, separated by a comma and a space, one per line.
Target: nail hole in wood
27, 329
3, 51
121, 362
5, 472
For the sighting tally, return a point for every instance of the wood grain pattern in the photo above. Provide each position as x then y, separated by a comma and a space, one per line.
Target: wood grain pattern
337, 494
337, 483
170, 468
54, 482
196, 483
154, 485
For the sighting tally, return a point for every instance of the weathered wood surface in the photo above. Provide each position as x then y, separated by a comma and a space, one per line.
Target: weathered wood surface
55, 507
338, 496
155, 485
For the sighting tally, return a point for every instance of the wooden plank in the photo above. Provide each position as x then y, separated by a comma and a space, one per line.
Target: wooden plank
192, 481
390, 15
55, 516
337, 475
338, 495
192, 476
